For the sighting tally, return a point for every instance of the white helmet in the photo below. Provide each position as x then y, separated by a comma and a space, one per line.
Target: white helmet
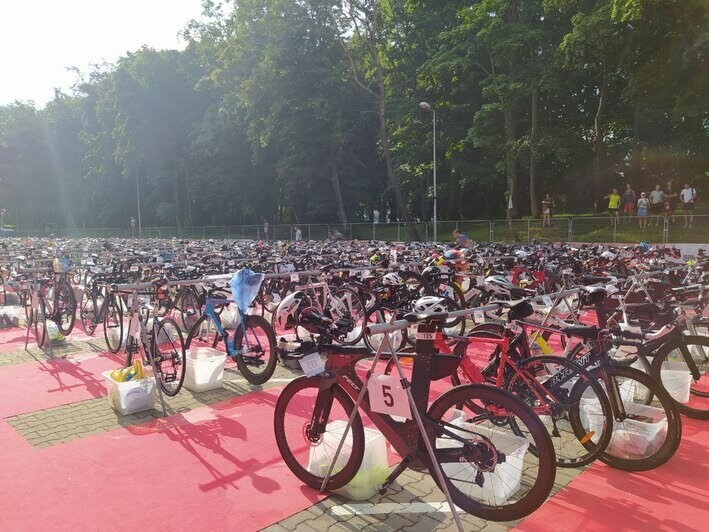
392, 279
429, 304
287, 311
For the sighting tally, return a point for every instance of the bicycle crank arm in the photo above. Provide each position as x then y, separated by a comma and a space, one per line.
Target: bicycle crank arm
403, 465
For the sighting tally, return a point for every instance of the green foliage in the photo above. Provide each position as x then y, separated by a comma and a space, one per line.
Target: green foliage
272, 111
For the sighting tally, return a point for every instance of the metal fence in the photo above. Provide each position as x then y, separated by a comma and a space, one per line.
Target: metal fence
562, 229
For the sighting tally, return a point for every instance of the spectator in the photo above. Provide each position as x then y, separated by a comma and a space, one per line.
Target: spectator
613, 205
265, 230
461, 239
629, 201
643, 208
298, 234
688, 195
547, 207
657, 197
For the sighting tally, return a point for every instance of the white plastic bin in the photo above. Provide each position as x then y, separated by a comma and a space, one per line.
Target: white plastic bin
373, 471
10, 316
132, 396
632, 438
55, 337
205, 369
677, 380
499, 485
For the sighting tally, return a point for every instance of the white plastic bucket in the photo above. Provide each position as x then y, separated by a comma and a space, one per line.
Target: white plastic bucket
498, 485
132, 396
204, 370
373, 471
677, 380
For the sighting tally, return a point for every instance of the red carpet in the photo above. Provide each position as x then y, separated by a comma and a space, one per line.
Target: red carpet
39, 385
214, 468
672, 497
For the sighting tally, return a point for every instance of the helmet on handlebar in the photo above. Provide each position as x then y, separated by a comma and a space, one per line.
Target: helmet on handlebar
429, 304
289, 308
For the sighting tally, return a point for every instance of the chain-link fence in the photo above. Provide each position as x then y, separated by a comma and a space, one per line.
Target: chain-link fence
679, 227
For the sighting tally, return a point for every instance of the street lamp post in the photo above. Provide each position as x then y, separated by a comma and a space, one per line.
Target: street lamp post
427, 107
137, 190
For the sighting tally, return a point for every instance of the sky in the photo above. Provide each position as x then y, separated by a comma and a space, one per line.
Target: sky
39, 39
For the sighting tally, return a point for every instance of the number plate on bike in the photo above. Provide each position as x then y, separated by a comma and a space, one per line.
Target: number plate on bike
386, 396
312, 364
294, 278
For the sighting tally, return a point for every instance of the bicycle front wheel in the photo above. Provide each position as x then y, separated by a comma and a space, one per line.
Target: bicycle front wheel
257, 343
65, 307
485, 463
308, 445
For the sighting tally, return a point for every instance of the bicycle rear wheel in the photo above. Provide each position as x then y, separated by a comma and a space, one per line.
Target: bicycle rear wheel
670, 366
258, 359
87, 313
168, 358
649, 432
487, 468
65, 308
113, 324
190, 309
308, 446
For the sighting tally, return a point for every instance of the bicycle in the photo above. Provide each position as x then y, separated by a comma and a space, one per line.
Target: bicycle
253, 345
484, 463
159, 343
100, 305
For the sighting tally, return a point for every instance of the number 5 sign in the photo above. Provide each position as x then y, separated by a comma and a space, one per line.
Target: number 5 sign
386, 396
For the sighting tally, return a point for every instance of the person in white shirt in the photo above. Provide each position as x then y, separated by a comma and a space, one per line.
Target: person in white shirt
298, 234
657, 197
688, 195
643, 207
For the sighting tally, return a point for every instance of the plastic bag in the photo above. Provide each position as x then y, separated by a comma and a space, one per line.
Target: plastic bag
245, 285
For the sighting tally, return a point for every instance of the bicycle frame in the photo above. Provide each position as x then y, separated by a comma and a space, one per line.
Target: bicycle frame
209, 311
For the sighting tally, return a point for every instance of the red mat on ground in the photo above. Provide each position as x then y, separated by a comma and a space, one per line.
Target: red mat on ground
14, 338
672, 497
39, 385
212, 468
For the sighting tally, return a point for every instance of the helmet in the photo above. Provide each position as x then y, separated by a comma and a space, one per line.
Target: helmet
392, 279
608, 255
644, 246
289, 308
452, 254
431, 272
429, 304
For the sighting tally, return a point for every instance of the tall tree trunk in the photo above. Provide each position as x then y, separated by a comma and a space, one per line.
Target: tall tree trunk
510, 163
453, 195
533, 199
635, 156
598, 140
511, 128
383, 130
335, 178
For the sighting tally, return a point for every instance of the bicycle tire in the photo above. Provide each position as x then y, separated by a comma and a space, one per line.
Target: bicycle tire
544, 481
114, 314
190, 309
39, 321
64, 307
674, 425
252, 322
169, 388
87, 313
666, 351
354, 461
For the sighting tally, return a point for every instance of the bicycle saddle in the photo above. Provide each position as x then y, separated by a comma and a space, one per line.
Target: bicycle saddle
519, 309
587, 332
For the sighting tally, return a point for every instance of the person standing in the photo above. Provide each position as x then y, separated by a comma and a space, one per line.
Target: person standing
547, 206
657, 197
265, 229
629, 201
298, 234
132, 227
613, 205
643, 208
688, 195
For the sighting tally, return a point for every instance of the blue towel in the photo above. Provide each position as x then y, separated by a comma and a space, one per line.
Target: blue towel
245, 285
